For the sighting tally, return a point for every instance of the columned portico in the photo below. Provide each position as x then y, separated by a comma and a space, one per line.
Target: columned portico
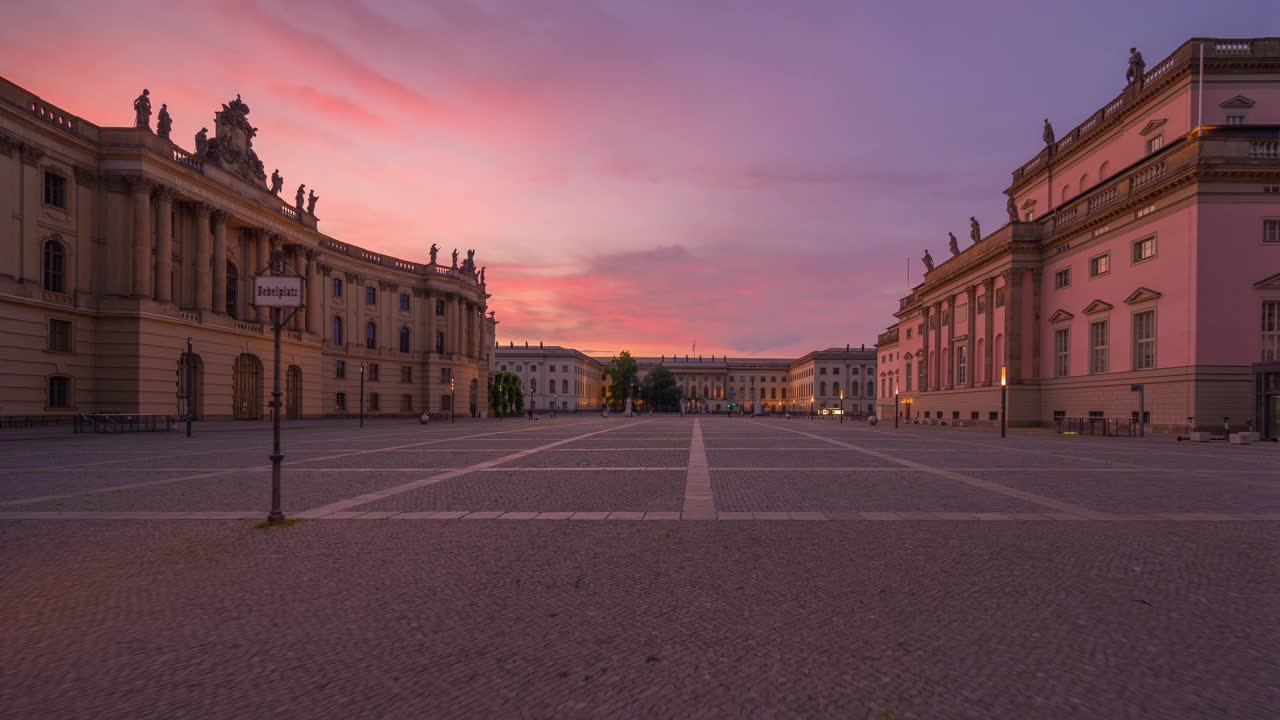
140, 190
971, 332
219, 259
989, 295
164, 245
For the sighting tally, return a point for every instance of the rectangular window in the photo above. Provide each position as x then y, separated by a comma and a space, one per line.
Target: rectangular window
908, 333
908, 376
60, 392
551, 368
439, 307
340, 369
973, 414
1062, 278
1062, 352
337, 287
993, 415
922, 376
1059, 414
1155, 143
1144, 249
1099, 346
446, 403
1235, 119
955, 414
59, 336
1100, 265
1144, 340
371, 296
1097, 414
340, 401
406, 374
1271, 330
404, 302
445, 375
1000, 298
55, 190
503, 368
373, 372
962, 364
1271, 231
373, 401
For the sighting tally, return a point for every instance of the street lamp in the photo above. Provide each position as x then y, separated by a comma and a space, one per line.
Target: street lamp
896, 412
554, 403
1004, 400
362, 395
453, 399
841, 404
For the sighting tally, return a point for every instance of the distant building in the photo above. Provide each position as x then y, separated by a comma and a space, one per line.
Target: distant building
1143, 247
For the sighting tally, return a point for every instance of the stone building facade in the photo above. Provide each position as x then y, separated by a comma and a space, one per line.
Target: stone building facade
116, 245
1143, 247
553, 376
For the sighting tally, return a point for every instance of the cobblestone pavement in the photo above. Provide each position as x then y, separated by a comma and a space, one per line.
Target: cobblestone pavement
555, 569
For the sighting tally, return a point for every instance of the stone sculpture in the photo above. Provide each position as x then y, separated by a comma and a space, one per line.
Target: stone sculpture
1011, 207
482, 277
955, 246
975, 233
435, 249
927, 260
232, 144
311, 203
142, 110
1137, 67
1048, 132
302, 194
455, 258
164, 123
277, 182
202, 141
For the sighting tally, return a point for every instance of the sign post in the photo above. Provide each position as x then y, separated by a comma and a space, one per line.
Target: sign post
281, 289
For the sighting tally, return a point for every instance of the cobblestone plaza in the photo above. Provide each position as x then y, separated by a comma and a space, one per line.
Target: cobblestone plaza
629, 567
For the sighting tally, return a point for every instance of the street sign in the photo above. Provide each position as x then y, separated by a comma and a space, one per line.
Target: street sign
277, 291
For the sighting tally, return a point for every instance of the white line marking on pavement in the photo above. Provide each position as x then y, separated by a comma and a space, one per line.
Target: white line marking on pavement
698, 498
342, 505
1059, 505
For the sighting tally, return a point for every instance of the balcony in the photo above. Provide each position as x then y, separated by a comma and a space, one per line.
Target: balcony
889, 336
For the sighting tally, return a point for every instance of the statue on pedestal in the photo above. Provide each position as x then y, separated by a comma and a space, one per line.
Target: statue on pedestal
927, 260
975, 233
1137, 68
955, 246
435, 249
142, 110
297, 199
455, 258
482, 274
1048, 133
164, 123
202, 141
311, 203
277, 182
1011, 207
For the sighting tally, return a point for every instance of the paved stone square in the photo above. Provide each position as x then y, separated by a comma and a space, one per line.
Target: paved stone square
638, 567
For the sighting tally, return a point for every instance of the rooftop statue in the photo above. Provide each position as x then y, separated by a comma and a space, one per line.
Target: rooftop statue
277, 182
975, 232
1011, 207
1137, 67
455, 258
955, 247
164, 123
297, 199
927, 260
434, 250
311, 203
142, 110
1048, 132
482, 277
232, 144
202, 141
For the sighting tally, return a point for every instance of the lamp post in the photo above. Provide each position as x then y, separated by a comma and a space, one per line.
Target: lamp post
1004, 400
453, 398
190, 385
361, 395
841, 404
896, 413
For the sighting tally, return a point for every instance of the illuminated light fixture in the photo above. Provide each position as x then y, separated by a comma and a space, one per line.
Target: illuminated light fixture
1004, 378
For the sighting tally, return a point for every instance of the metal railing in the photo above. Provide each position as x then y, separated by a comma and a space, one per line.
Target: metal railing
23, 421
1104, 426
123, 423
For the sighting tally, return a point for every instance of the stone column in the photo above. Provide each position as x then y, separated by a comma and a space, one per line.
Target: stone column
989, 338
314, 288
1035, 323
473, 339
971, 330
950, 373
431, 322
456, 325
140, 188
1012, 324
921, 385
935, 360
164, 244
200, 260
263, 244
219, 259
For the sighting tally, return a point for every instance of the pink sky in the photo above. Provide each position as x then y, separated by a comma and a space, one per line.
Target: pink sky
634, 175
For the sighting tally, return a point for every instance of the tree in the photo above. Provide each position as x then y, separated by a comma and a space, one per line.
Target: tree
505, 395
660, 390
624, 380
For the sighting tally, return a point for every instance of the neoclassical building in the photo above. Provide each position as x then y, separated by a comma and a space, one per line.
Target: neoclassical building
116, 245
1143, 247
820, 381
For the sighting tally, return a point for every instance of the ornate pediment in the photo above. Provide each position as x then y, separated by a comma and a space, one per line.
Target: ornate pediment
1060, 316
1152, 126
1141, 295
1238, 101
1028, 204
1097, 306
1269, 282
232, 144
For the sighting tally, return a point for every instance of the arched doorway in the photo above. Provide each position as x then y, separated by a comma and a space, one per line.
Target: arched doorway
246, 387
193, 398
475, 396
293, 392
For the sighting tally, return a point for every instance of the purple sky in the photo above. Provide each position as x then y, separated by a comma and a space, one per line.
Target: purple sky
753, 176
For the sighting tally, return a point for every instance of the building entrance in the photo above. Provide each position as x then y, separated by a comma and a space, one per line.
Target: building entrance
246, 388
293, 392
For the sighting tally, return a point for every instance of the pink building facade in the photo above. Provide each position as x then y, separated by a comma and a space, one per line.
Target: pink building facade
1143, 247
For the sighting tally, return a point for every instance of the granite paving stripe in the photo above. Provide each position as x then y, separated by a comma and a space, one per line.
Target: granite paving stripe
772, 490
1152, 490
566, 490
698, 497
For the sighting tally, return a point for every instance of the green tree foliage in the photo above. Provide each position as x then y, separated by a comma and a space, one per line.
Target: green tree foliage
659, 389
624, 379
505, 396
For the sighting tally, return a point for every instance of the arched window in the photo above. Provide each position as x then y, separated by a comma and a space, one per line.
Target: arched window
1104, 170
1084, 181
233, 282
439, 343
404, 339
55, 262
822, 388
1066, 192
337, 331
371, 336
